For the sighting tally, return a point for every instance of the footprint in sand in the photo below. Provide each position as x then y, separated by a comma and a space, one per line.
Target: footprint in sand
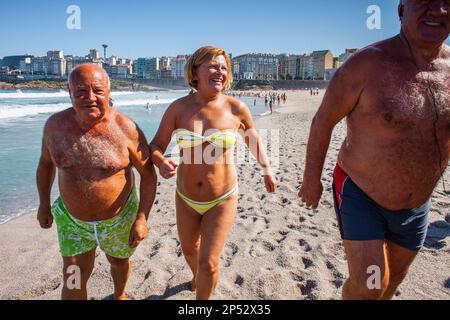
327, 204
155, 250
230, 251
260, 249
294, 227
283, 234
297, 277
307, 289
307, 262
447, 284
303, 243
239, 280
338, 278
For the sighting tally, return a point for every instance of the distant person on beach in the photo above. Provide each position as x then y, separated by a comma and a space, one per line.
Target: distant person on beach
94, 147
271, 107
395, 96
148, 106
207, 123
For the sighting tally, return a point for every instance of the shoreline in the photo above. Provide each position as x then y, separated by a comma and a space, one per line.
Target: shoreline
277, 249
62, 85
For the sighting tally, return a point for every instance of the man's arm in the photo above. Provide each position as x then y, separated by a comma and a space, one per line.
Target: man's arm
340, 99
140, 158
254, 143
45, 176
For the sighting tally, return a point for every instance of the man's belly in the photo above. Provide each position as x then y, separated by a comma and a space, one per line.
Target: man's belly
95, 200
395, 180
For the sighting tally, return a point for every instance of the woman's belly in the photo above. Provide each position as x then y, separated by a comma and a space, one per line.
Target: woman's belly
202, 182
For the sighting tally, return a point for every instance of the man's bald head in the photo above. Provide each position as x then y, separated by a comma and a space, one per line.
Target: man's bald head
87, 69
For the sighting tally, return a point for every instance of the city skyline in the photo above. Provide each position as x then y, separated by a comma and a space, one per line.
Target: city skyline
147, 29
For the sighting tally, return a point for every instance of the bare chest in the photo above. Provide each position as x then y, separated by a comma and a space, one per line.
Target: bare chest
105, 152
401, 101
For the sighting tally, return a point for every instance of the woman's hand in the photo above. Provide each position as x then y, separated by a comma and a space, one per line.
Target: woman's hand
168, 168
270, 182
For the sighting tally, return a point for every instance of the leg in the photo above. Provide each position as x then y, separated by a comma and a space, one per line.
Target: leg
188, 225
215, 227
399, 260
84, 264
120, 271
360, 256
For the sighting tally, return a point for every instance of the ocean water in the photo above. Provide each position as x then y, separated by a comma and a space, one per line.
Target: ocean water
22, 118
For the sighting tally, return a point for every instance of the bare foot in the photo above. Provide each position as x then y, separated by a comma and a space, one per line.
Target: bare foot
121, 297
193, 285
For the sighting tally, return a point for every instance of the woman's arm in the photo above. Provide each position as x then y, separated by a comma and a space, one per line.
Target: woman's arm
167, 168
254, 143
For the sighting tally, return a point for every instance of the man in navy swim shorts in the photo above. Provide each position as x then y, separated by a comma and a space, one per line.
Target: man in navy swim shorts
394, 96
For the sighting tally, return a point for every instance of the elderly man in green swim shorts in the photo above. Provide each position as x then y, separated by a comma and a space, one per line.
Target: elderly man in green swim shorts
94, 148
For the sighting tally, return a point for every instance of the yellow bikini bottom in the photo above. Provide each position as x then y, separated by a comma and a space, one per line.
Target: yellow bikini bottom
202, 207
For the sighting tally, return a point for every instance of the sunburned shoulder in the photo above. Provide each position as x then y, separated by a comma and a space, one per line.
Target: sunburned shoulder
446, 54
180, 104
366, 62
60, 120
128, 126
236, 105
366, 57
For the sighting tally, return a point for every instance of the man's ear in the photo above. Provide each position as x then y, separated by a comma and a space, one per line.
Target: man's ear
401, 9
70, 92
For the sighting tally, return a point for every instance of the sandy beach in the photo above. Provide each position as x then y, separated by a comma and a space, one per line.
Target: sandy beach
277, 248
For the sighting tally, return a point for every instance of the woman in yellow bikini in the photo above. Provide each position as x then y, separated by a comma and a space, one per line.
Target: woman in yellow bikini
206, 124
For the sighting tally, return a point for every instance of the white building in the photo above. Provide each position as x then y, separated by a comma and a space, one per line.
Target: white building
256, 66
177, 66
94, 54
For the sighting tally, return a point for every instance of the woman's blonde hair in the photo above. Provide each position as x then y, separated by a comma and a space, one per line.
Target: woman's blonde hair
202, 55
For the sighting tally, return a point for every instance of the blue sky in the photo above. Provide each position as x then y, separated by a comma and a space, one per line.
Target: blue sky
145, 28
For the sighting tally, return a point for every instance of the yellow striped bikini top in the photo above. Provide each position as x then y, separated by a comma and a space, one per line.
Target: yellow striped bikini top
225, 139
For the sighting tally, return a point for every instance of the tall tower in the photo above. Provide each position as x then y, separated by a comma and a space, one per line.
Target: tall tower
105, 46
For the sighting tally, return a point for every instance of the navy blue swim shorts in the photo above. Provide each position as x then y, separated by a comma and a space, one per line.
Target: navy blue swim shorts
362, 219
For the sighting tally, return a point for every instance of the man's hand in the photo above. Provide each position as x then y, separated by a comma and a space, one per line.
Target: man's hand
270, 182
45, 217
310, 193
139, 231
168, 168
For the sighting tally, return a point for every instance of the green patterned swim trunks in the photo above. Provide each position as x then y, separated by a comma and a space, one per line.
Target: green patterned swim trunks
77, 237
